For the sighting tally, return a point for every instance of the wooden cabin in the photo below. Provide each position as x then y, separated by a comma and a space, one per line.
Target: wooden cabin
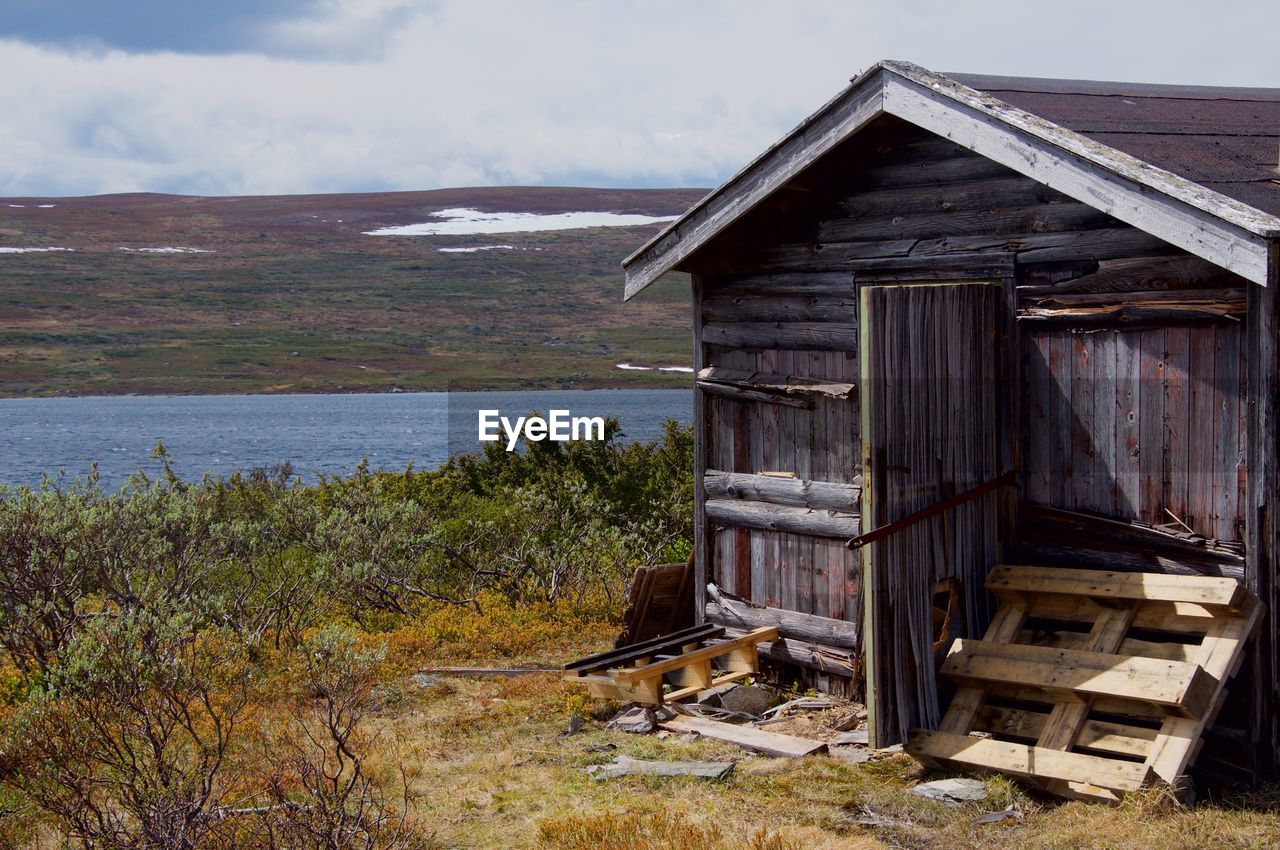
951, 322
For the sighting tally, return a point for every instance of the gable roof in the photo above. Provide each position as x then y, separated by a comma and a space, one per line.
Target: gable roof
1129, 150
1226, 139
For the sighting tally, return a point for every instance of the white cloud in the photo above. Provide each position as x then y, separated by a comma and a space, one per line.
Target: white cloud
504, 92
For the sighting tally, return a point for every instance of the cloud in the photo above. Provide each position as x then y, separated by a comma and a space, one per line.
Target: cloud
147, 25
350, 95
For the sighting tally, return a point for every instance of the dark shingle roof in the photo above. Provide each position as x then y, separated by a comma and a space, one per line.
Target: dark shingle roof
1226, 139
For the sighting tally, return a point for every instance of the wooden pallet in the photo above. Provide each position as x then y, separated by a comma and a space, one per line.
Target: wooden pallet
659, 603
689, 658
1092, 683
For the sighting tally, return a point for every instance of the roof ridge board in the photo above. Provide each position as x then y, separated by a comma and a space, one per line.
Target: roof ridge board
1117, 88
1111, 132
1129, 95
1125, 165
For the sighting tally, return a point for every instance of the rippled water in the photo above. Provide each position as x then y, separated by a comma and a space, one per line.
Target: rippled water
316, 433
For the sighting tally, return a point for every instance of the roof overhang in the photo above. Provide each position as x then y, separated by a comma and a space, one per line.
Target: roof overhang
1199, 220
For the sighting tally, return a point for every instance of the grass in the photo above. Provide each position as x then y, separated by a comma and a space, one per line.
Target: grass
295, 298
489, 766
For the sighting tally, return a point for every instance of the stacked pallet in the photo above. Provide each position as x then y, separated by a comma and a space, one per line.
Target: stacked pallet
1090, 683
690, 660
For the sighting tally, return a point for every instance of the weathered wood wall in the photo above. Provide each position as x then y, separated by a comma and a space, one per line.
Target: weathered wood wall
1123, 359
1144, 424
780, 542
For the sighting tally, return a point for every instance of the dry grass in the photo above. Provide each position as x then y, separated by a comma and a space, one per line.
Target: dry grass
494, 770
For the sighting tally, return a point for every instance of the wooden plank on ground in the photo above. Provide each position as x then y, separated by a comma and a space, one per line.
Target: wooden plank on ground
759, 740
625, 766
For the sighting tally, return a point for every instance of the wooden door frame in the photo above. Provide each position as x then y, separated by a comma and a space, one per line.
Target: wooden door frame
1004, 351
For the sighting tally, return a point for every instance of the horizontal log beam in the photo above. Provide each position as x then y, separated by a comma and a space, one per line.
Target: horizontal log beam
1064, 552
796, 492
791, 384
1130, 313
933, 225
1229, 296
731, 612
811, 656
740, 513
780, 308
1170, 273
833, 284
807, 336
747, 395
934, 171
987, 194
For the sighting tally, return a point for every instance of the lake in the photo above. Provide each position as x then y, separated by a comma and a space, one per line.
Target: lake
327, 434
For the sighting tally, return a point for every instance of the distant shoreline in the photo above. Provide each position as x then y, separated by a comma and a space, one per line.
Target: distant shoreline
676, 381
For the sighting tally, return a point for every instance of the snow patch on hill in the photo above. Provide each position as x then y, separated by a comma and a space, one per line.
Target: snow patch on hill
468, 222
169, 250
476, 248
31, 250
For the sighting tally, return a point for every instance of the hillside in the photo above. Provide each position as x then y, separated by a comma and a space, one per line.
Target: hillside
289, 294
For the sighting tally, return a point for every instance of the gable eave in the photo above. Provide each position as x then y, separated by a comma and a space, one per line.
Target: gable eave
1203, 222
837, 120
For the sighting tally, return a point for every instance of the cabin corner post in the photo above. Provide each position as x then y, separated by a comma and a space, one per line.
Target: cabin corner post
703, 537
876, 731
1263, 477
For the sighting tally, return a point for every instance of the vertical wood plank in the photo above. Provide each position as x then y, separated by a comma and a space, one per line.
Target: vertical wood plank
878, 733
785, 461
1200, 436
803, 547
1061, 420
703, 542
770, 438
1128, 369
741, 536
1083, 422
1105, 475
1151, 389
1262, 545
721, 441
1226, 429
1177, 419
1035, 477
847, 565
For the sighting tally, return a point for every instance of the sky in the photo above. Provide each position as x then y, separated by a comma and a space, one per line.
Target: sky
299, 96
